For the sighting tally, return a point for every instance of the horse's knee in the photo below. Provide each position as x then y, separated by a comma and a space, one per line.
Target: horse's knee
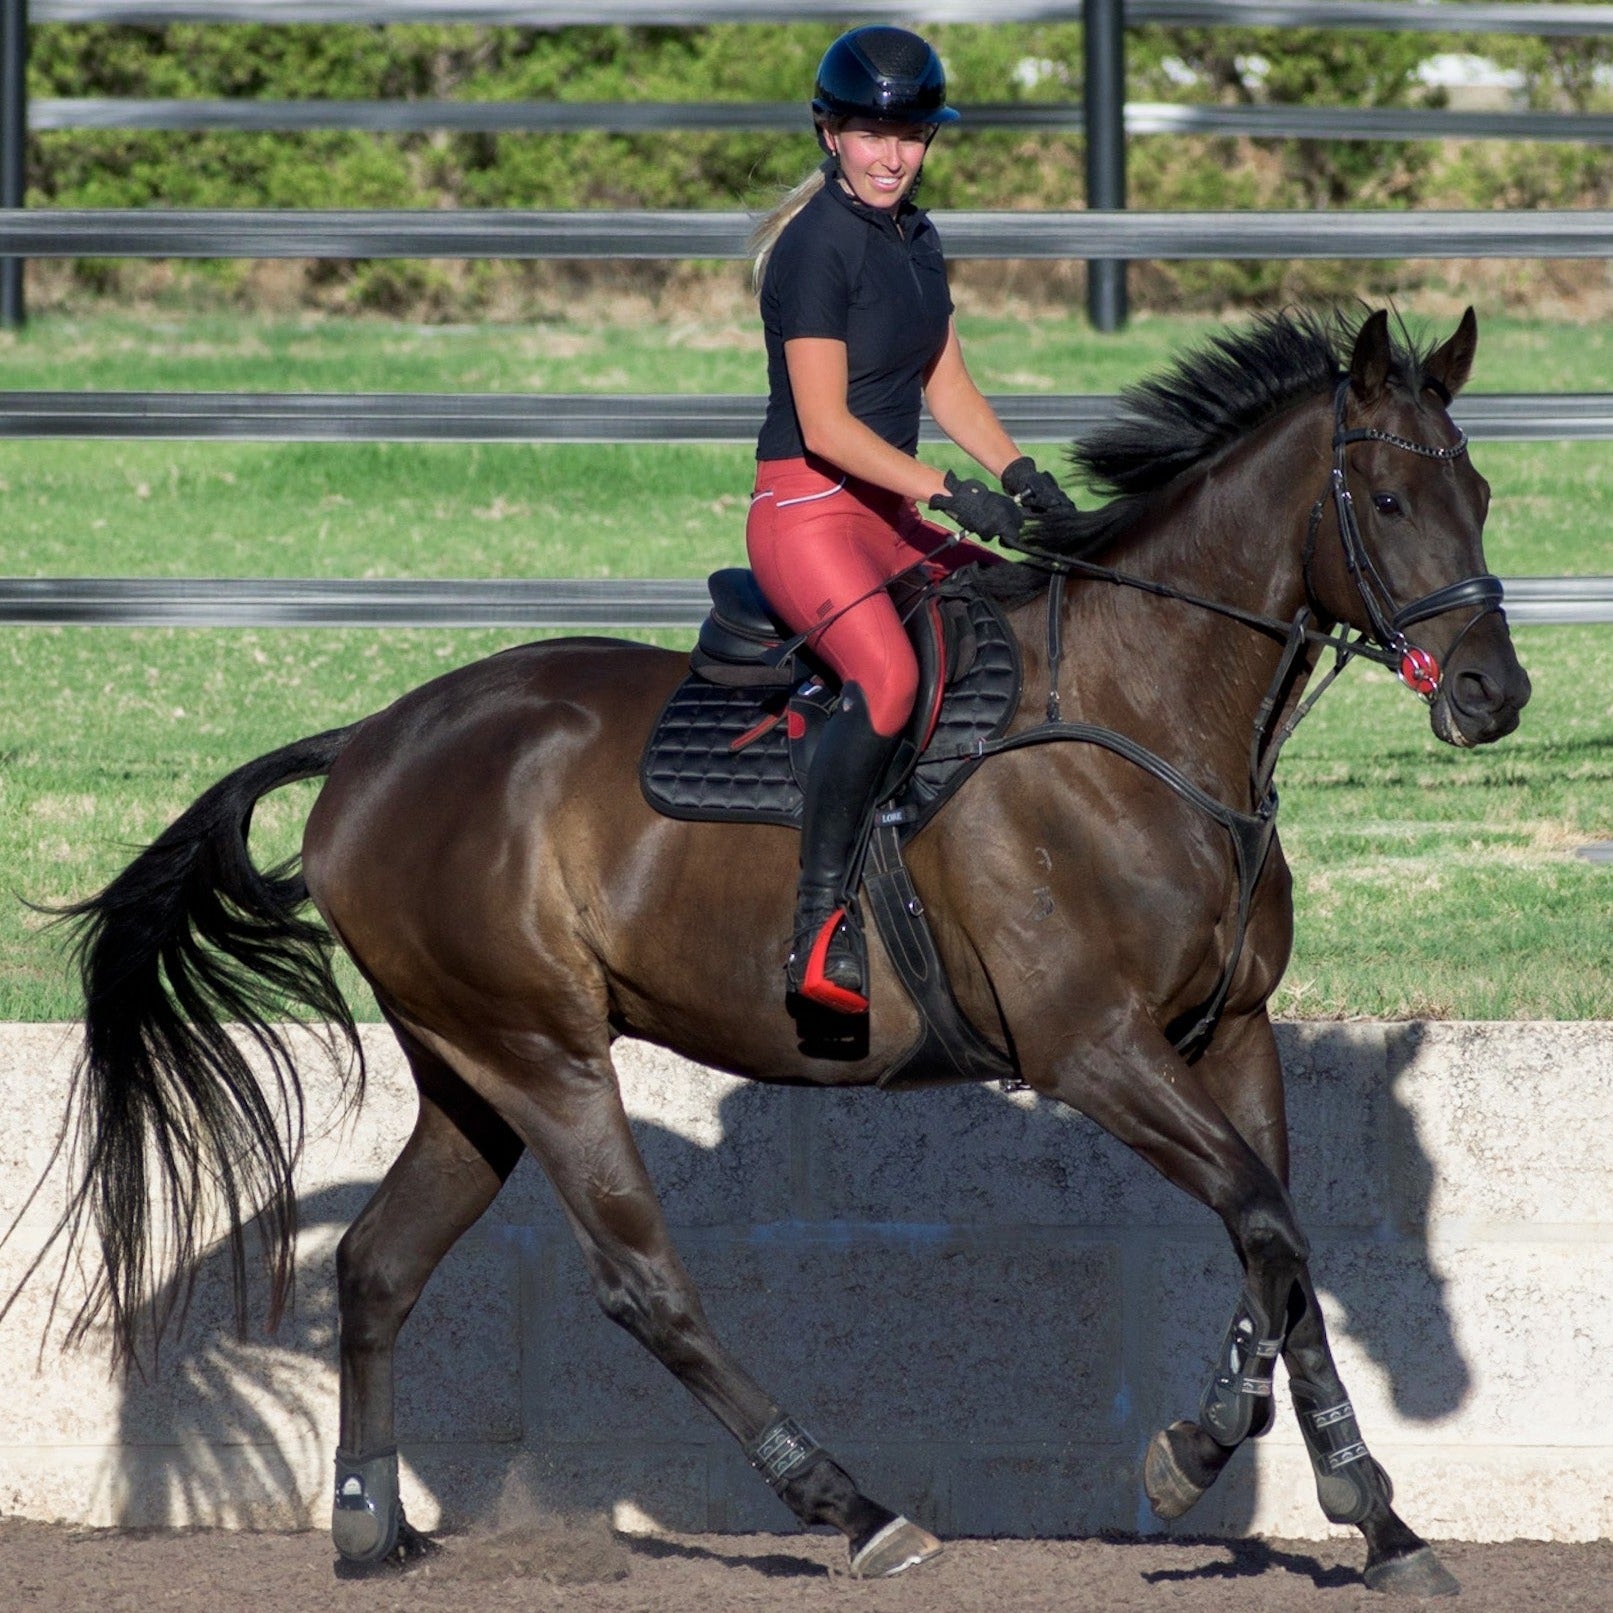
1268, 1233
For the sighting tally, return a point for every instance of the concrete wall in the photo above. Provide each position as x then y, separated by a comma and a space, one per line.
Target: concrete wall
980, 1303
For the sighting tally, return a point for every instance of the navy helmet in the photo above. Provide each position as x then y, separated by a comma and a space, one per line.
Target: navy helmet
884, 73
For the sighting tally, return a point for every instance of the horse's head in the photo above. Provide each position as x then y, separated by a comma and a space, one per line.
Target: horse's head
1405, 558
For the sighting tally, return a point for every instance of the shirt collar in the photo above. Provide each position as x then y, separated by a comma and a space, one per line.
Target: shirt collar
907, 220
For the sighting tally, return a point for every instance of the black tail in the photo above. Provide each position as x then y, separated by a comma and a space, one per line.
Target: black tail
168, 1111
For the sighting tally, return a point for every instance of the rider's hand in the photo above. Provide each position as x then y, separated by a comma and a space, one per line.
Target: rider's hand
977, 509
1036, 490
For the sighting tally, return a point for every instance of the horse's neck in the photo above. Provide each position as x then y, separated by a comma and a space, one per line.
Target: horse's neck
1187, 680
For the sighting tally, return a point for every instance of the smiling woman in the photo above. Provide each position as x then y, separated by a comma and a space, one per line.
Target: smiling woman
858, 323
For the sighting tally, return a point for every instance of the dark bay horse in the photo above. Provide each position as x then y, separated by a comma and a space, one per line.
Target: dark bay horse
484, 853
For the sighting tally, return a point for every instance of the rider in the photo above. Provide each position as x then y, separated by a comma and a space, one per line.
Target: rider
857, 318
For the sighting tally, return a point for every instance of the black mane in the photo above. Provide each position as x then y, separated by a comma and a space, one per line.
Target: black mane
1215, 394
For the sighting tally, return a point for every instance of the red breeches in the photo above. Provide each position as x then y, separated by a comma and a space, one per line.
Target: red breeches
818, 542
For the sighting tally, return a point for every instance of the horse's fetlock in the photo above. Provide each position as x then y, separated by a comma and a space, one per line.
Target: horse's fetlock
1349, 1482
783, 1453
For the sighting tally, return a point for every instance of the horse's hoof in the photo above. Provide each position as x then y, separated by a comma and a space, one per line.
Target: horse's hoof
412, 1547
408, 1550
900, 1545
1171, 1493
1418, 1573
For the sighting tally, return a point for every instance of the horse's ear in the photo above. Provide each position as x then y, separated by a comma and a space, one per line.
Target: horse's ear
1369, 363
1450, 365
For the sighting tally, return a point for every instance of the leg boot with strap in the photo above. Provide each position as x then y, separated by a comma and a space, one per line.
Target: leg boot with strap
828, 961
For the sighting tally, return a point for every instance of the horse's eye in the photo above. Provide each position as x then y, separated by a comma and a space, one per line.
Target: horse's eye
1386, 504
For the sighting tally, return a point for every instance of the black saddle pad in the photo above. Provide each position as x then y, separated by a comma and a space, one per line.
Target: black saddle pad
692, 769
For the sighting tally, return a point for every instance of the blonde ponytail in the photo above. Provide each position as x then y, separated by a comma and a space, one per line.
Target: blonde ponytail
765, 236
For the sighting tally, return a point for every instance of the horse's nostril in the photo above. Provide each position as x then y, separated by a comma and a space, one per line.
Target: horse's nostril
1476, 692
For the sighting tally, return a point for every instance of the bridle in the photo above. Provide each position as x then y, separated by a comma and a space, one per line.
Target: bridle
1385, 640
1416, 667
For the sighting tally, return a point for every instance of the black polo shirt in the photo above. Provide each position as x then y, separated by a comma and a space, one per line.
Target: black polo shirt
870, 279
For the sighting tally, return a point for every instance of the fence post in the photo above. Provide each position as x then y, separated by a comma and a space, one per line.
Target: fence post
1104, 46
13, 144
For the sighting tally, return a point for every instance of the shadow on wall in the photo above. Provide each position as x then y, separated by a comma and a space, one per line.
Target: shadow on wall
981, 1304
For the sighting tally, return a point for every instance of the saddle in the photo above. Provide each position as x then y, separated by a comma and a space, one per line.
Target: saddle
736, 738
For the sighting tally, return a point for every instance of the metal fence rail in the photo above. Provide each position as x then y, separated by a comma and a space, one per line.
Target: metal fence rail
1264, 122
540, 602
1388, 15
599, 417
422, 233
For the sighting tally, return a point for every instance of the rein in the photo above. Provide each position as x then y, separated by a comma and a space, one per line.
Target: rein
1385, 642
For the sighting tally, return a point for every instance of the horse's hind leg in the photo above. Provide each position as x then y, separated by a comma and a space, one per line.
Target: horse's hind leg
570, 1115
1283, 1315
455, 1161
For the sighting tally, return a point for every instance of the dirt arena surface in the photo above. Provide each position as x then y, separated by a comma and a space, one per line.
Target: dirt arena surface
46, 1568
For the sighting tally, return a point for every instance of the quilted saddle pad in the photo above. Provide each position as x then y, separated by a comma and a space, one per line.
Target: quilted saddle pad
699, 765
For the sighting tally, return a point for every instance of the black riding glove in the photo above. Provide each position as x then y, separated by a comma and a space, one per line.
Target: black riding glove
977, 509
1036, 490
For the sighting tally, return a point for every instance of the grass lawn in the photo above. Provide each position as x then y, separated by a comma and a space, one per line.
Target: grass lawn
1430, 882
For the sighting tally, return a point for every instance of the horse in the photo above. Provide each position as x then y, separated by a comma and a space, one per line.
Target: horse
484, 853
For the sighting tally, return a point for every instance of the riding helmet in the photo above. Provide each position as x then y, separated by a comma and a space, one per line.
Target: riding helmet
884, 73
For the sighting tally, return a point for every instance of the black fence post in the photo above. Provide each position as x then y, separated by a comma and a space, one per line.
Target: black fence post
1104, 44
13, 144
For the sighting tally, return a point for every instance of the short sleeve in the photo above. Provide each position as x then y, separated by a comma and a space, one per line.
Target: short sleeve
811, 283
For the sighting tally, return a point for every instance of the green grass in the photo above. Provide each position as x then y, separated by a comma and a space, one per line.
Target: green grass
1429, 881
1444, 884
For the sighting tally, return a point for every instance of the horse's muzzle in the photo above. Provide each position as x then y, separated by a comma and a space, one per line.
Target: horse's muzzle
1483, 690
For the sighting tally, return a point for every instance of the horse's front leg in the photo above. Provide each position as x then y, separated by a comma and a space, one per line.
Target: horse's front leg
1127, 1077
1242, 1073
1136, 1086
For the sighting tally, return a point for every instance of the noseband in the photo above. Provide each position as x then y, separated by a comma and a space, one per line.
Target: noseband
1416, 667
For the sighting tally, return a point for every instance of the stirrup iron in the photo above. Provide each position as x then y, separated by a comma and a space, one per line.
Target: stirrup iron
828, 963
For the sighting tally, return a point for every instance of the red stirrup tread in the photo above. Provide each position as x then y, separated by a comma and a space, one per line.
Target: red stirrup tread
815, 987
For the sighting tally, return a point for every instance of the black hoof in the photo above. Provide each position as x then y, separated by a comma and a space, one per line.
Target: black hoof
1171, 1492
1417, 1573
411, 1549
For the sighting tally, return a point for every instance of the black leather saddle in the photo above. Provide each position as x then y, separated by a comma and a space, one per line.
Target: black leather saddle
737, 737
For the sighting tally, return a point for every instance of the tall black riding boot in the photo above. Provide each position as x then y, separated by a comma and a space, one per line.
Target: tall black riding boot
828, 961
